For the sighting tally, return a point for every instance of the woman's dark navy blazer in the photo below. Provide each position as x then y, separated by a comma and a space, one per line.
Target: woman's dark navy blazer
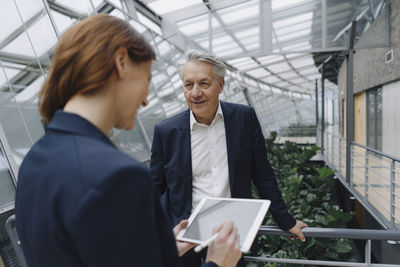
81, 202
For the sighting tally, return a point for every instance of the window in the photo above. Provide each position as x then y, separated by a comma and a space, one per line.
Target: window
374, 118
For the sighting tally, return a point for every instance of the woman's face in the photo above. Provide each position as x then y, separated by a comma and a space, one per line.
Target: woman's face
132, 91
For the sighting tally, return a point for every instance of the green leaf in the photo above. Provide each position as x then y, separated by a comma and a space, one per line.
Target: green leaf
331, 254
311, 197
343, 246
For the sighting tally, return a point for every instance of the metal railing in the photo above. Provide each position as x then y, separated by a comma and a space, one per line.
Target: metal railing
272, 230
332, 233
374, 179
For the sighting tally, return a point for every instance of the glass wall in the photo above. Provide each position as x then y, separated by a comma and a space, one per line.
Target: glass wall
31, 28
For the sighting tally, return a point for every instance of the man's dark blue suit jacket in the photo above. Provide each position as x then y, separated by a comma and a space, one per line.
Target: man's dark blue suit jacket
171, 163
81, 202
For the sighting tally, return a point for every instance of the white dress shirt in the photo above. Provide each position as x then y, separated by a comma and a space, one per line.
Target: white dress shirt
209, 159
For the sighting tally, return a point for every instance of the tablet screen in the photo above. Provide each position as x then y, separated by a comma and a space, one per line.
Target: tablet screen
214, 212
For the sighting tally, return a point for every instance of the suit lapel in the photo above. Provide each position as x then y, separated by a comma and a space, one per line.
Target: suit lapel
229, 135
186, 150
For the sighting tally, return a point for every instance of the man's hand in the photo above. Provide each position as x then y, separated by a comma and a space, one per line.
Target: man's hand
297, 230
182, 246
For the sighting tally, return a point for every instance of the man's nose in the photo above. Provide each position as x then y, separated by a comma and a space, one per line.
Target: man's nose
196, 91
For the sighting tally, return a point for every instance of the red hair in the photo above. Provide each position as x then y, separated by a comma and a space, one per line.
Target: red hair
84, 59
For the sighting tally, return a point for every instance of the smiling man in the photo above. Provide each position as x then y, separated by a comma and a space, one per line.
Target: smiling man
213, 149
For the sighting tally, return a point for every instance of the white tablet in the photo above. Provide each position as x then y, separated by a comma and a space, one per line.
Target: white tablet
246, 214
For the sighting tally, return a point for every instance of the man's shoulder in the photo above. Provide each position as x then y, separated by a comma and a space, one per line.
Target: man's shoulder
235, 107
175, 121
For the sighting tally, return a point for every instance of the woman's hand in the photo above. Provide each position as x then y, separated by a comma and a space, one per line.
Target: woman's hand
182, 246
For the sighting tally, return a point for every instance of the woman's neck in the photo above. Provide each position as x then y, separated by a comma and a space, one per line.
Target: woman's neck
97, 108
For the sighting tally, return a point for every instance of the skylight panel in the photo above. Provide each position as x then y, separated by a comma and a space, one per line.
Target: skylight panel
271, 79
77, 5
277, 68
162, 7
254, 31
281, 4
224, 39
10, 74
306, 17
150, 24
245, 62
250, 66
293, 28
164, 48
297, 47
197, 25
288, 75
237, 61
301, 62
239, 12
229, 52
27, 8
118, 14
20, 46
250, 40
258, 73
31, 91
9, 19
63, 22
41, 30
270, 59
139, 27
294, 35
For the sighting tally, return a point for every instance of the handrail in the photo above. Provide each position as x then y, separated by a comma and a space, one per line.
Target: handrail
376, 151
336, 233
366, 234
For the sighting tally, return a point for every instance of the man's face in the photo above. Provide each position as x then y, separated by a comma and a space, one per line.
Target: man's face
201, 89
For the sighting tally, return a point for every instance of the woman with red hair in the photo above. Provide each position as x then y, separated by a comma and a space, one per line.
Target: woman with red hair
80, 201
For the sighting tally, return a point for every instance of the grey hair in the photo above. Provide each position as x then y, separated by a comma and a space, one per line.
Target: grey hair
197, 55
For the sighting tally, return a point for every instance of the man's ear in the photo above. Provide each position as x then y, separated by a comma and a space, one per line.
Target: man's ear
121, 61
221, 84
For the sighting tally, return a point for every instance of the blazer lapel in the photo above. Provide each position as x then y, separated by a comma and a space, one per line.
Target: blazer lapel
229, 135
186, 150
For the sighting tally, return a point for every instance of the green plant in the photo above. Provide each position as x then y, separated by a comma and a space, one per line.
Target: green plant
306, 188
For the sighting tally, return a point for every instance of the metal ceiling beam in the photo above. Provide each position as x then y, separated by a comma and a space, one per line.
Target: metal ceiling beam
147, 12
323, 24
265, 25
200, 9
18, 59
276, 62
21, 28
62, 9
131, 8
306, 67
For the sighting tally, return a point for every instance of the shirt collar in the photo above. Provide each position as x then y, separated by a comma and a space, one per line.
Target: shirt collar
194, 123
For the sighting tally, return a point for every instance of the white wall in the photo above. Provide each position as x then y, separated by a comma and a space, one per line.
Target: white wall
391, 118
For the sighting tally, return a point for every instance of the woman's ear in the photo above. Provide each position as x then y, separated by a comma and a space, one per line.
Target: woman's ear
121, 62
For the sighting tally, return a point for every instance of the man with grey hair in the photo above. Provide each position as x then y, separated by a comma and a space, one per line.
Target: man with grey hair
213, 149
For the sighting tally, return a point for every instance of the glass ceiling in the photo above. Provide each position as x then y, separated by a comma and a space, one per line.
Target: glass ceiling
269, 57
277, 49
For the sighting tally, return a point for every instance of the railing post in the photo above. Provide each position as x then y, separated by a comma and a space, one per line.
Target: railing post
368, 253
349, 161
350, 99
333, 151
392, 193
366, 170
340, 155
